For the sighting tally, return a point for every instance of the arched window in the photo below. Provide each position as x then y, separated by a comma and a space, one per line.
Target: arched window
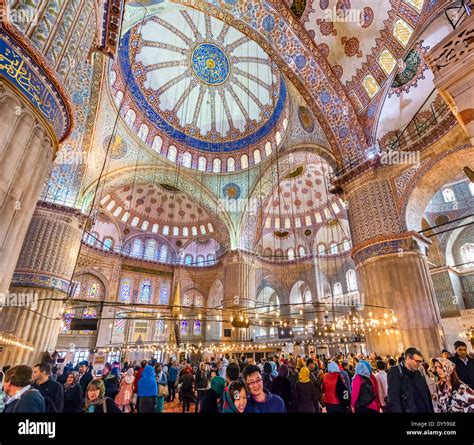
185, 231
337, 289
210, 228
448, 195
118, 211
194, 231
93, 291
183, 328
301, 251
197, 328
216, 165
210, 258
172, 152
187, 160
291, 254
333, 248
321, 249
164, 252
118, 98
278, 137
351, 280
145, 225
230, 164
125, 290
202, 228
150, 249
346, 245
130, 117
110, 205
135, 221
166, 230
188, 260
268, 148
244, 161
256, 156
145, 291
164, 293
200, 260
143, 132
467, 253
137, 248
157, 144
202, 163
175, 231
108, 242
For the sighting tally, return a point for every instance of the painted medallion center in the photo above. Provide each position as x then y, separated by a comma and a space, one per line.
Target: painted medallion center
210, 64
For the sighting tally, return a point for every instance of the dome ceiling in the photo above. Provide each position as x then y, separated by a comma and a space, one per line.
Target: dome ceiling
199, 83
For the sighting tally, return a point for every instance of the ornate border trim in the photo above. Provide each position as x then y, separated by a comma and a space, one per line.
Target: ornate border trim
41, 281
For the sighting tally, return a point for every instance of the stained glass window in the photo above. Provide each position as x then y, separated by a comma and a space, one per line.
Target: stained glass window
351, 280
125, 290
160, 327
164, 293
89, 313
150, 249
145, 291
68, 314
164, 252
183, 328
108, 243
417, 4
402, 31
333, 248
119, 324
387, 61
137, 248
448, 195
197, 328
93, 291
187, 299
188, 260
337, 289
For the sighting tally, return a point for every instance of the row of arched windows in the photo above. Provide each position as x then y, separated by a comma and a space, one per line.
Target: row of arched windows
351, 282
145, 292
334, 248
201, 260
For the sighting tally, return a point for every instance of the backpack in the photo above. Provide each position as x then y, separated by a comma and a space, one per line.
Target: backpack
342, 392
366, 393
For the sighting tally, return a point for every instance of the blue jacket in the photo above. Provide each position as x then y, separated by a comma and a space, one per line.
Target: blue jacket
30, 402
173, 373
147, 386
273, 404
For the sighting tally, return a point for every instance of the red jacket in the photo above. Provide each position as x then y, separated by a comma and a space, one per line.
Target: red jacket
329, 388
137, 378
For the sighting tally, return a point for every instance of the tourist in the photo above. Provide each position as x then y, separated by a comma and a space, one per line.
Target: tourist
52, 391
373, 380
209, 403
124, 397
173, 371
281, 386
72, 393
407, 388
267, 376
363, 397
305, 396
260, 400
111, 376
314, 377
85, 376
232, 373
96, 401
138, 375
235, 398
186, 392
445, 353
147, 390
20, 396
333, 392
162, 383
464, 363
382, 385
454, 396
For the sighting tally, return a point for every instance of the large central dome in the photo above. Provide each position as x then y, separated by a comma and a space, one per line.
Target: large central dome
202, 82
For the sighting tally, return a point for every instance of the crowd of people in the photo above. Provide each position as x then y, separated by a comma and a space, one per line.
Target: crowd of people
315, 383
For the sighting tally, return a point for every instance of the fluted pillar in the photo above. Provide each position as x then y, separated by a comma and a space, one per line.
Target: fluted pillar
392, 270
43, 272
239, 288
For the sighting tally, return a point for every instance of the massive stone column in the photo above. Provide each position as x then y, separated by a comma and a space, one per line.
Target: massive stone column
239, 288
392, 269
35, 115
43, 272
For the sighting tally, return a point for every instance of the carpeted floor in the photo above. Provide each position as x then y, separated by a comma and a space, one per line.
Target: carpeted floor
175, 407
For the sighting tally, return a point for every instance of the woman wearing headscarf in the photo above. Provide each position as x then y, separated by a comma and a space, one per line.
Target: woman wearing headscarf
274, 366
210, 401
162, 382
234, 398
72, 393
96, 401
281, 386
267, 376
331, 389
454, 396
186, 393
111, 381
305, 396
364, 395
124, 396
373, 381
147, 390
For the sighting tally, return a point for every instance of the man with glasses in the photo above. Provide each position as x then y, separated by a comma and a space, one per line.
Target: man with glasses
261, 400
408, 391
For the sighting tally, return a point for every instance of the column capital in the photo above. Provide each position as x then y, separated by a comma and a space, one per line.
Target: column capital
396, 244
